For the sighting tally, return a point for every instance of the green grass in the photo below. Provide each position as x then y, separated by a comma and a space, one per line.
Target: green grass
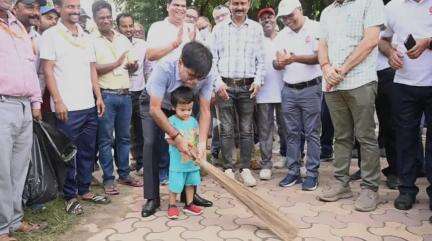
55, 216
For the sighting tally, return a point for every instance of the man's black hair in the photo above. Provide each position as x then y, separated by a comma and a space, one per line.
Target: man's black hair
182, 95
198, 58
123, 15
99, 5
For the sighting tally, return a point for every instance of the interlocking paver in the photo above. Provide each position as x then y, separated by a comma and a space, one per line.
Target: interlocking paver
395, 230
229, 220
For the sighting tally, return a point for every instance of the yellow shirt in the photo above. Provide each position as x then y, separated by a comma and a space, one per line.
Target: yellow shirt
108, 52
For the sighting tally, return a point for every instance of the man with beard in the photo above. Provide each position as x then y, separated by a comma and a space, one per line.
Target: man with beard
269, 97
125, 23
237, 47
70, 71
20, 99
115, 63
297, 57
27, 12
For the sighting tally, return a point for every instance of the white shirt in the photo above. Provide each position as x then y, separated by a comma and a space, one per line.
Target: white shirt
72, 56
137, 78
304, 42
406, 17
270, 92
164, 33
382, 62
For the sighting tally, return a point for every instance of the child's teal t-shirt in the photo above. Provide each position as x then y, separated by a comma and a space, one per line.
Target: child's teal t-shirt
189, 131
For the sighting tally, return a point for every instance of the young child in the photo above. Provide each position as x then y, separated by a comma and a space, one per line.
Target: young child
183, 172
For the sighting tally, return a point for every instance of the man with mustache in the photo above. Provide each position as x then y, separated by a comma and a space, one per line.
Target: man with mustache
347, 55
20, 101
237, 47
297, 57
28, 12
125, 23
115, 63
269, 97
70, 72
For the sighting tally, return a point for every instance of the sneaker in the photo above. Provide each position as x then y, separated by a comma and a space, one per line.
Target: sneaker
193, 209
290, 180
367, 201
265, 174
173, 212
404, 202
392, 182
279, 164
335, 192
310, 184
247, 178
229, 172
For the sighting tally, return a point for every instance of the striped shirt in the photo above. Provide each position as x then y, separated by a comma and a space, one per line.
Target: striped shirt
238, 51
342, 27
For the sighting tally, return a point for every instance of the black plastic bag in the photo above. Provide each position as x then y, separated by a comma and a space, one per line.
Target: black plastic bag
52, 152
41, 184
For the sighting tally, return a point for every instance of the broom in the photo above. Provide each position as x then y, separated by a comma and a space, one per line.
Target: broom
280, 225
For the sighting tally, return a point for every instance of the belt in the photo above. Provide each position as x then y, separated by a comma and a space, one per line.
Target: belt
238, 82
306, 84
116, 92
18, 98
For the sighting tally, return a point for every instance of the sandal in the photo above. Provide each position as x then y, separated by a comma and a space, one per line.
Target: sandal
111, 190
130, 181
6, 237
96, 199
27, 227
74, 207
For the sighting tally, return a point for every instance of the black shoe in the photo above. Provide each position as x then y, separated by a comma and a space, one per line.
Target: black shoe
392, 182
200, 201
404, 202
150, 207
356, 176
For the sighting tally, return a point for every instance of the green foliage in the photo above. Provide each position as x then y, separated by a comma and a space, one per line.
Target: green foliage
149, 11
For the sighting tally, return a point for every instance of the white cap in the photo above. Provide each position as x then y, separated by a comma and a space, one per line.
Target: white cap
286, 7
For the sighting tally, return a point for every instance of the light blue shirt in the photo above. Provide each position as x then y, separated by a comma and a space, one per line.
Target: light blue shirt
165, 78
189, 131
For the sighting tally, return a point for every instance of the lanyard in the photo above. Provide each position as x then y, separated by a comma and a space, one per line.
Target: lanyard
77, 42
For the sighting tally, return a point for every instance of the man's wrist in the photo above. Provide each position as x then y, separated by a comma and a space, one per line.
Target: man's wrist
174, 135
324, 65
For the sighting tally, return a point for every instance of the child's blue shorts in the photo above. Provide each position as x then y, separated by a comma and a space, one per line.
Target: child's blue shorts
178, 180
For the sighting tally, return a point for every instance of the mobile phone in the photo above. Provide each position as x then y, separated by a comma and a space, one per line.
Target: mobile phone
410, 42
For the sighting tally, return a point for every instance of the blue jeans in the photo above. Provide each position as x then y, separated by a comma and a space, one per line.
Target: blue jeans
302, 113
81, 128
117, 118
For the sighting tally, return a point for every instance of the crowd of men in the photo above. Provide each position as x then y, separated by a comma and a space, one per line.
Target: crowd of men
321, 83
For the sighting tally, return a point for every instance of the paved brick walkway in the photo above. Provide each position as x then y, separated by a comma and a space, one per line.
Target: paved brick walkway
230, 221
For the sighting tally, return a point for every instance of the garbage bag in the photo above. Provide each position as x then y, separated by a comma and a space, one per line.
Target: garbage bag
41, 184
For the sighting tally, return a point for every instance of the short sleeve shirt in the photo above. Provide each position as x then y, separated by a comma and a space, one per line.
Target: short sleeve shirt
406, 17
108, 52
189, 130
303, 42
72, 72
342, 27
165, 78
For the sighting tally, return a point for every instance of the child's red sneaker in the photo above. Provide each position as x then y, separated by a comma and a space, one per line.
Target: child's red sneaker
193, 209
173, 212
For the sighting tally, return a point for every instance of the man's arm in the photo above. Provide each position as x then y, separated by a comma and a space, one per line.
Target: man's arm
154, 54
361, 52
204, 121
103, 69
393, 55
306, 59
60, 108
329, 73
96, 90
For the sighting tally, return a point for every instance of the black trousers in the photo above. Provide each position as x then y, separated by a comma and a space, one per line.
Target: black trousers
409, 104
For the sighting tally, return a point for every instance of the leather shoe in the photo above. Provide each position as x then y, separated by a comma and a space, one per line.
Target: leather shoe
150, 207
200, 201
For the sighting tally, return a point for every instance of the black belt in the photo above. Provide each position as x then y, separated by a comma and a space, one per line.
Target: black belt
306, 84
238, 82
116, 92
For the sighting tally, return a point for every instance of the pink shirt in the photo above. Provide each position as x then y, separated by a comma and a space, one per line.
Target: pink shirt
18, 75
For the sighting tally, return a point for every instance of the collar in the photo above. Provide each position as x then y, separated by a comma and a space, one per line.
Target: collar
229, 21
63, 27
11, 18
337, 4
99, 35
